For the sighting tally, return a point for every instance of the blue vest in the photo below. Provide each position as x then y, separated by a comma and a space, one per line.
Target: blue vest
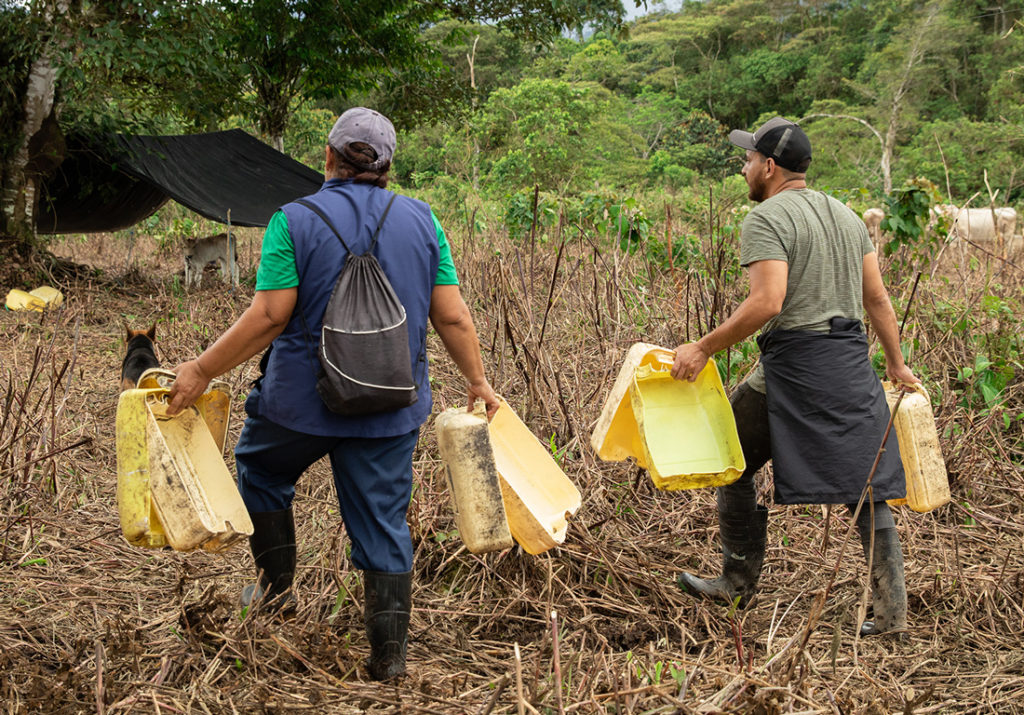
407, 250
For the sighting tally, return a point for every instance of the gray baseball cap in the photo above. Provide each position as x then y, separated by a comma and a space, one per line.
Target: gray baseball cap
360, 124
779, 138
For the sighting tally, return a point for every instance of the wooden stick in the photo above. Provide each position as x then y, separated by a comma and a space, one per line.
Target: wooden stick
557, 664
519, 680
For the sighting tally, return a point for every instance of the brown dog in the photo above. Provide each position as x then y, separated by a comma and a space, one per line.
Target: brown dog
140, 355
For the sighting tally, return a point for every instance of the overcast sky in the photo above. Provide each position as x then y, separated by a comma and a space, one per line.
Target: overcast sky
633, 12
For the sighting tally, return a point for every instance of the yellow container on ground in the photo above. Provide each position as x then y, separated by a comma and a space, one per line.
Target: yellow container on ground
39, 299
539, 499
23, 300
51, 297
173, 487
464, 442
683, 433
925, 469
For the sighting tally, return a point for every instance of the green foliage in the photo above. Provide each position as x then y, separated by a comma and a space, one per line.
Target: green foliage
983, 382
530, 211
18, 46
615, 219
962, 153
137, 65
551, 133
699, 143
906, 218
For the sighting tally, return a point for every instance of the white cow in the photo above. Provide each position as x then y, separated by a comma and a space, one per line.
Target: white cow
980, 225
217, 249
873, 220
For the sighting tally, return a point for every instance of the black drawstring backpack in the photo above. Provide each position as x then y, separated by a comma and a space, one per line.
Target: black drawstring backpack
365, 364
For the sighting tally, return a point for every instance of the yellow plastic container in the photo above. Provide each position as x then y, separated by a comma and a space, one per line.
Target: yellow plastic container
39, 299
682, 432
173, 487
23, 300
464, 442
539, 498
927, 482
616, 436
51, 297
534, 499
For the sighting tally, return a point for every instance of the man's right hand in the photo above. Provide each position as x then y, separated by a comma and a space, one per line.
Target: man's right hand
689, 361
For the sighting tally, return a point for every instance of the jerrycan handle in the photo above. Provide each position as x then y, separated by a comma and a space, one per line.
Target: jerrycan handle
890, 386
663, 358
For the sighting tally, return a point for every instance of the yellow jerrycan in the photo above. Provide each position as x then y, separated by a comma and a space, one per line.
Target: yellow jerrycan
616, 436
539, 498
925, 469
464, 442
173, 487
534, 499
683, 433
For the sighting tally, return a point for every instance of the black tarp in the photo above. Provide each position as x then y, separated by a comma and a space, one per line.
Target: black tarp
111, 184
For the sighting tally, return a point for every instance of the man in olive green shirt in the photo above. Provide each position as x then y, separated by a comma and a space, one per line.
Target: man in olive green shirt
813, 405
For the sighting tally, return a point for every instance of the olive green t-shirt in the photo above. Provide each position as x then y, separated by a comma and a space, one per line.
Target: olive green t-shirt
277, 269
824, 242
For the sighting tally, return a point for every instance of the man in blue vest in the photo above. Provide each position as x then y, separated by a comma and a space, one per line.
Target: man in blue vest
288, 427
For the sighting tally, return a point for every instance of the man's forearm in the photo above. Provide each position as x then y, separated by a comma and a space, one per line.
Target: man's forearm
461, 342
883, 320
250, 334
746, 320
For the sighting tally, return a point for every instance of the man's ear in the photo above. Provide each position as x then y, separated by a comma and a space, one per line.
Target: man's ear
328, 160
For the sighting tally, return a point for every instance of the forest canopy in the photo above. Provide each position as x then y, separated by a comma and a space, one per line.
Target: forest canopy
506, 95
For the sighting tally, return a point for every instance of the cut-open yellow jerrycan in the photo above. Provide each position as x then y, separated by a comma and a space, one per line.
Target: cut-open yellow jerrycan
682, 432
925, 469
504, 481
40, 299
173, 487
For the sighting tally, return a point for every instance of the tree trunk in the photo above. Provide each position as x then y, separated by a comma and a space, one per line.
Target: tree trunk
475, 159
19, 190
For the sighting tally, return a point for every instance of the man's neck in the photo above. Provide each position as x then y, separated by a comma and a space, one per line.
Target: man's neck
787, 184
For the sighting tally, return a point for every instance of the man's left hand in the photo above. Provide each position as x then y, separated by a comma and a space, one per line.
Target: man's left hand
690, 360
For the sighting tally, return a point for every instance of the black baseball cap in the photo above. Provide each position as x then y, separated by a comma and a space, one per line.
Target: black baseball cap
779, 138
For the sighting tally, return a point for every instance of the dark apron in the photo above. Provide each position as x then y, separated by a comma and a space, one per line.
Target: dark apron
827, 415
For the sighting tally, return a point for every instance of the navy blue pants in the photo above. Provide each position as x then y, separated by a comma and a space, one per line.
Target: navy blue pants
373, 479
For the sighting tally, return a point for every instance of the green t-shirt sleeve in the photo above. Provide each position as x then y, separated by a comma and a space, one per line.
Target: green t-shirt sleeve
760, 241
446, 275
277, 268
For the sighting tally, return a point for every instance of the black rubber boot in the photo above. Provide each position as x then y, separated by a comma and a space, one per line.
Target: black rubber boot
744, 536
388, 601
273, 549
888, 587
